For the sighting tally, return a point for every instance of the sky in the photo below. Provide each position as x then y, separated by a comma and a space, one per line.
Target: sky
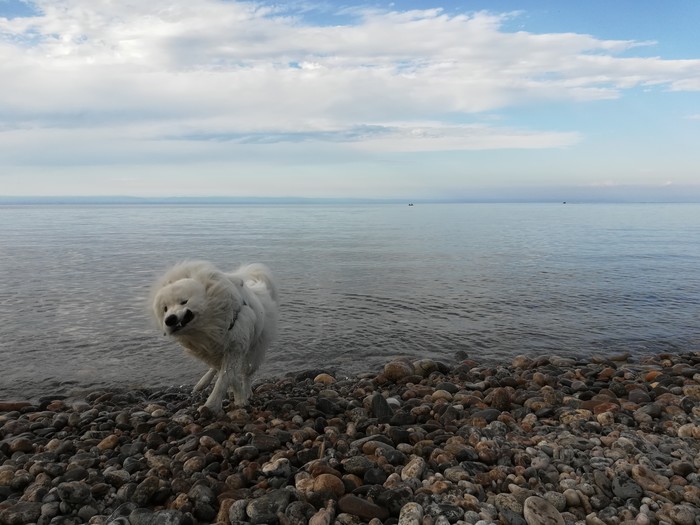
442, 100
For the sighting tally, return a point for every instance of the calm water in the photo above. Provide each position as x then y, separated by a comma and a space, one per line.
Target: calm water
359, 284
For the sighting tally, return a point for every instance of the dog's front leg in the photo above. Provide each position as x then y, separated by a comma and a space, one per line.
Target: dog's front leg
206, 379
215, 400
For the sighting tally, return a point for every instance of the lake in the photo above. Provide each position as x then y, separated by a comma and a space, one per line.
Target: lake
359, 284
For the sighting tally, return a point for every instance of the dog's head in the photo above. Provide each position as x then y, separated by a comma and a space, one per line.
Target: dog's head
178, 306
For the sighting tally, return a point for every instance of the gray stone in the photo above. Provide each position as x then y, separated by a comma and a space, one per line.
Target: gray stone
625, 487
538, 511
202, 494
141, 516
171, 517
146, 490
265, 508
75, 492
21, 513
236, 513
380, 408
411, 514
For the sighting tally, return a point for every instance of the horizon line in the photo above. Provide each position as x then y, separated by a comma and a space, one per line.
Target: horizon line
125, 199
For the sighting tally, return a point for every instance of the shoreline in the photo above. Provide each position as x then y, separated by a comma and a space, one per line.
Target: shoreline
537, 441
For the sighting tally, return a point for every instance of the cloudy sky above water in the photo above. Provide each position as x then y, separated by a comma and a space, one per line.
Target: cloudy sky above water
413, 99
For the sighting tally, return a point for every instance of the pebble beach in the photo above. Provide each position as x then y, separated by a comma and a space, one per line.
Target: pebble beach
538, 441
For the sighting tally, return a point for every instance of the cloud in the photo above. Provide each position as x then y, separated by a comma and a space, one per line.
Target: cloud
140, 73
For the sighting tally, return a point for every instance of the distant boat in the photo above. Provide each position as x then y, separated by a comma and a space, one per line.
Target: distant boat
410, 204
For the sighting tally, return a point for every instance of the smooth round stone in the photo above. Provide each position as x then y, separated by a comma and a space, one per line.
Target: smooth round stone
361, 508
396, 370
538, 511
500, 399
109, 442
380, 408
265, 508
557, 499
521, 361
441, 394
414, 469
146, 489
411, 514
22, 512
650, 480
508, 502
626, 488
324, 378
74, 492
357, 465
328, 483
21, 444
279, 467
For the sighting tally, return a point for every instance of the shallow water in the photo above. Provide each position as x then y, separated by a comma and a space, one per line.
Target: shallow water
359, 284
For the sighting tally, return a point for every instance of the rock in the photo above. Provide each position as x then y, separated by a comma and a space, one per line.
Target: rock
277, 468
237, 511
21, 513
21, 444
171, 517
298, 513
324, 516
380, 408
357, 465
500, 399
361, 508
324, 378
202, 493
683, 514
141, 516
108, 443
75, 492
328, 484
649, 480
411, 514
265, 508
538, 511
397, 370
626, 488
11, 406
265, 442
146, 490
413, 469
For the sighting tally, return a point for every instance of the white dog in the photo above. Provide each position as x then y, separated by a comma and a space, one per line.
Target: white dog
227, 320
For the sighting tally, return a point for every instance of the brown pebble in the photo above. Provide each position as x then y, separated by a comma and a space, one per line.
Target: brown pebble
397, 370
11, 406
328, 483
326, 379
21, 444
109, 442
361, 508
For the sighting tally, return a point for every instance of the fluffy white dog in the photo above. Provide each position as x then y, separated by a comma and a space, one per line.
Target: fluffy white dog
227, 320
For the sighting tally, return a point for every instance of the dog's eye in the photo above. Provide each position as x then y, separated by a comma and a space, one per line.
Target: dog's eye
183, 302
165, 308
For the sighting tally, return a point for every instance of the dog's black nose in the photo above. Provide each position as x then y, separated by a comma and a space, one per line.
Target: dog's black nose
187, 317
171, 320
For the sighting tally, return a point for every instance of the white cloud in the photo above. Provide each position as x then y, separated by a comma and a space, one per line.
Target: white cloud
90, 81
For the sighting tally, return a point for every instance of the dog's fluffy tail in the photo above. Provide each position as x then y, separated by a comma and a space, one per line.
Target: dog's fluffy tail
257, 275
